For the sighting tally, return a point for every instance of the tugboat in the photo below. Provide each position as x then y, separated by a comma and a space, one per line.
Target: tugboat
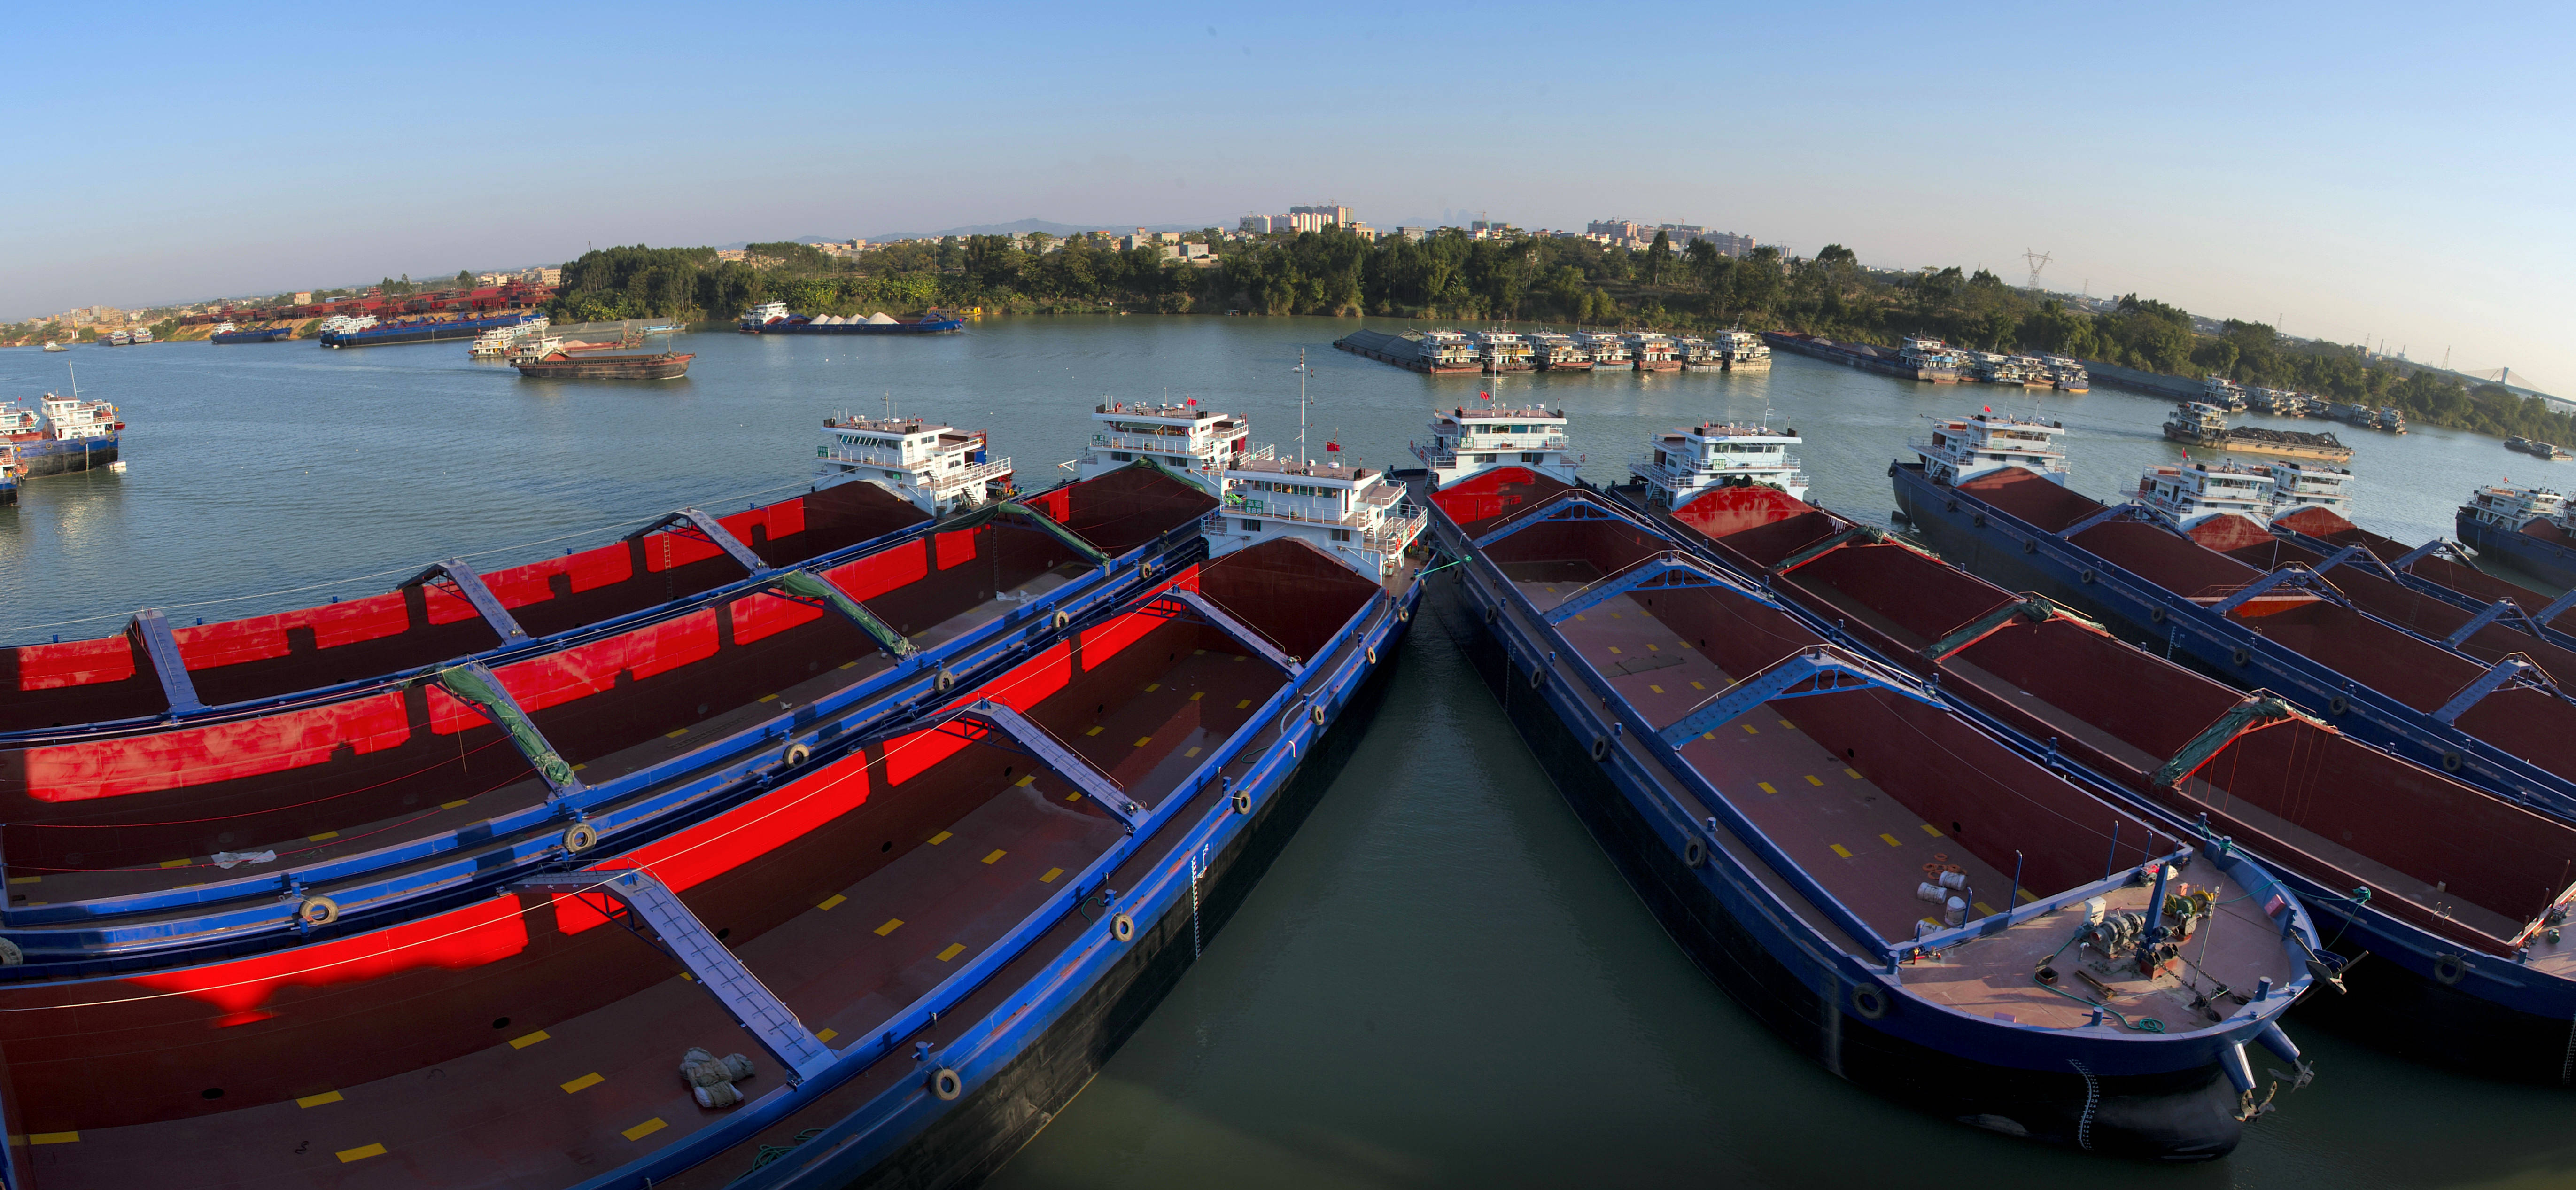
1961, 449
62, 435
941, 469
1464, 443
1683, 463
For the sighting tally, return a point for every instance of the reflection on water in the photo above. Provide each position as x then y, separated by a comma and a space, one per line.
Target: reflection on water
1442, 982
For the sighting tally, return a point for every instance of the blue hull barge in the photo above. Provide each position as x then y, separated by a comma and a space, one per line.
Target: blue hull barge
2437, 568
1898, 892
2436, 895
2522, 528
265, 334
924, 941
774, 319
422, 330
2471, 702
61, 435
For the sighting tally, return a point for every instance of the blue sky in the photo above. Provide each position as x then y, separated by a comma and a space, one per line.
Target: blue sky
2398, 172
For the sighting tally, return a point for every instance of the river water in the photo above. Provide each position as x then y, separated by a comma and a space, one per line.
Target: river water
1442, 982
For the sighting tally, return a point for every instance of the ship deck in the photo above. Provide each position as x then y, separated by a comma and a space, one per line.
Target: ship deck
554, 1101
472, 805
1819, 799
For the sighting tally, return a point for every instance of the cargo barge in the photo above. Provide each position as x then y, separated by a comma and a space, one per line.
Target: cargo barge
1871, 874
774, 319
662, 365
2201, 424
419, 330
259, 334
2524, 528
1437, 353
2466, 693
2465, 893
371, 805
1045, 873
61, 435
1931, 370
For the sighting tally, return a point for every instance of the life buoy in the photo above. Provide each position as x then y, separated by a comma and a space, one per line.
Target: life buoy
1122, 927
2339, 705
1868, 1000
1693, 854
796, 754
1062, 618
2448, 968
1243, 801
580, 837
318, 910
1601, 747
2450, 762
2155, 615
1372, 654
947, 1085
2241, 655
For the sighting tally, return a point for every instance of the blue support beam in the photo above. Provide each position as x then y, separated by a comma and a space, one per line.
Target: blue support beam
2426, 550
1092, 782
2482, 619
2505, 672
1240, 631
153, 631
1577, 505
1670, 569
1821, 669
2341, 556
468, 585
2292, 577
757, 1009
2113, 513
692, 521
2560, 604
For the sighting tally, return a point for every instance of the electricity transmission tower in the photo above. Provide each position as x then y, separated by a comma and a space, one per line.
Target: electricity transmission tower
2038, 261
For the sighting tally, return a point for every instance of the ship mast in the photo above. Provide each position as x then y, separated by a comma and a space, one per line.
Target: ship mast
1302, 371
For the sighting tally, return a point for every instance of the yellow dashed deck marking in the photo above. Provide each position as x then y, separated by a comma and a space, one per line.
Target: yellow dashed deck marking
361, 1153
1617, 616
1984, 909
1615, 649
1932, 830
1683, 643
1026, 781
645, 1129
673, 735
583, 1083
1891, 840
766, 698
52, 1138
1749, 729
1813, 779
1074, 796
1708, 735
1842, 851
1051, 874
1697, 686
318, 1100
997, 854
579, 767
892, 924
520, 1043
1144, 740
455, 805
1194, 751
1196, 695
174, 863
954, 949
1198, 652
835, 899
1580, 616
323, 836
827, 1035
2024, 893
849, 664
941, 837
1766, 787
1654, 648
1791, 726
1656, 689
1854, 775
1245, 703
1093, 731
1151, 687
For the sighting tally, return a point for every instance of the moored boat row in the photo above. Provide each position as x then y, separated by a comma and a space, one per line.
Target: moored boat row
1496, 352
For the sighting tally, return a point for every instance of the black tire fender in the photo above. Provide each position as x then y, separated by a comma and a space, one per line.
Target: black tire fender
580, 837
2339, 705
2450, 762
1062, 618
796, 754
1601, 748
1694, 853
947, 1085
1243, 801
2448, 968
2156, 615
1122, 928
317, 910
1869, 1001
2242, 655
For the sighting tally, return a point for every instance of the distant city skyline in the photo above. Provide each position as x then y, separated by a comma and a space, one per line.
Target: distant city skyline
2312, 164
